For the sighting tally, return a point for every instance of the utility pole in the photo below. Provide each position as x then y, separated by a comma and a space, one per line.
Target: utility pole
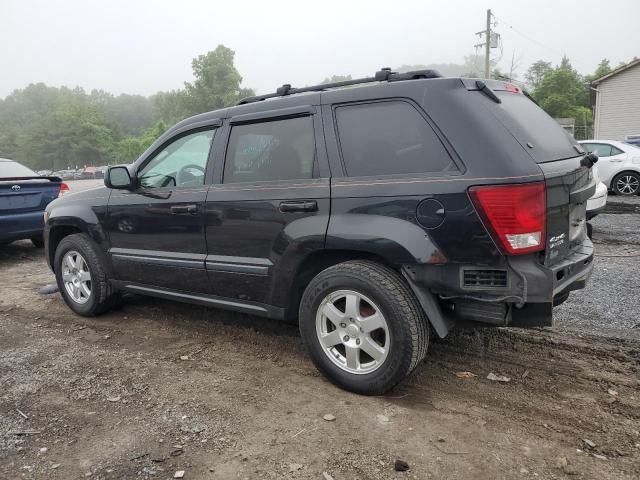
490, 41
487, 47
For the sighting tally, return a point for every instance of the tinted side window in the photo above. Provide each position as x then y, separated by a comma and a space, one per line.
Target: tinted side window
182, 163
274, 150
601, 149
387, 138
588, 147
615, 151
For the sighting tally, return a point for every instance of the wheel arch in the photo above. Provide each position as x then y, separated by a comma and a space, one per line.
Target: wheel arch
318, 261
59, 227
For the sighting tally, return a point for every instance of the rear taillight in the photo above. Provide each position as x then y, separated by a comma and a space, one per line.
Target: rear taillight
64, 188
514, 214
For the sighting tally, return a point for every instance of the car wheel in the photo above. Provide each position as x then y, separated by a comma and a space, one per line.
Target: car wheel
38, 242
362, 326
627, 183
81, 276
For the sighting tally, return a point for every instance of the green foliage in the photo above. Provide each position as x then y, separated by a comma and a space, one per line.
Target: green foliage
217, 82
604, 68
563, 92
536, 73
129, 149
54, 128
47, 127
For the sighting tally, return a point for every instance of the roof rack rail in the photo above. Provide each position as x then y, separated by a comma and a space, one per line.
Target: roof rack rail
383, 75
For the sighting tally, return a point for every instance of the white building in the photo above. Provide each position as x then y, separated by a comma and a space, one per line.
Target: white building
617, 104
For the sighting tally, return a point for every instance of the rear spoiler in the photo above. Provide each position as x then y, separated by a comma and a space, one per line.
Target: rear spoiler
35, 177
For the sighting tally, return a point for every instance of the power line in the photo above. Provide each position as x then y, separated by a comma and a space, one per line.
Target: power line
533, 40
524, 35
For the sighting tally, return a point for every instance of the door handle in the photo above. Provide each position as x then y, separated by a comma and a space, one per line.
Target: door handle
182, 209
299, 206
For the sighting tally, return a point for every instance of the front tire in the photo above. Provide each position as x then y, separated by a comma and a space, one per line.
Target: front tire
363, 327
81, 276
627, 184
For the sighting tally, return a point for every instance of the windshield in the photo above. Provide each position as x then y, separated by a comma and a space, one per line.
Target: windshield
9, 168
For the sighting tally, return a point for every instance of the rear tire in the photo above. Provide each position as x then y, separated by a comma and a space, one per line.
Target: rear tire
82, 277
626, 184
338, 312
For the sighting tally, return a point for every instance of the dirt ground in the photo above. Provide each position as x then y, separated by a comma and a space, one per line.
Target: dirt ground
157, 387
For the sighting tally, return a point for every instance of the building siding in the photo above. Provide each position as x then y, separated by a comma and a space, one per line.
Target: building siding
618, 105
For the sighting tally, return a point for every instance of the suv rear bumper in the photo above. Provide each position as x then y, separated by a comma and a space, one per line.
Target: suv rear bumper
526, 300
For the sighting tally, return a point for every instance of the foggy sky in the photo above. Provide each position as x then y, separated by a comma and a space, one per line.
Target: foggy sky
142, 47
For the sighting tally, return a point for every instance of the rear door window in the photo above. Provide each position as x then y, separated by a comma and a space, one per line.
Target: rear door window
600, 149
270, 151
389, 138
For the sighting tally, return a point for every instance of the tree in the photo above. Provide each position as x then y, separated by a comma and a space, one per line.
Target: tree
73, 135
604, 68
217, 82
536, 73
170, 106
129, 149
562, 92
130, 114
52, 128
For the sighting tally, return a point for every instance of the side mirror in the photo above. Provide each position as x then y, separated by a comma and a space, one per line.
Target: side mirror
118, 177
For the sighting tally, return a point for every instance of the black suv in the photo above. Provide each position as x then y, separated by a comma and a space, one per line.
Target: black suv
365, 214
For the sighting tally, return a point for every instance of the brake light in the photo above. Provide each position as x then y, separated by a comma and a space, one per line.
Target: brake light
514, 214
508, 87
64, 188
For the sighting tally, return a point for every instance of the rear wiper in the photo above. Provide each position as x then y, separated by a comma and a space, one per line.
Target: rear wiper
486, 89
528, 95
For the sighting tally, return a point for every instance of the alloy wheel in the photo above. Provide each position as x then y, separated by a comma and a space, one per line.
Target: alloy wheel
76, 277
352, 331
628, 184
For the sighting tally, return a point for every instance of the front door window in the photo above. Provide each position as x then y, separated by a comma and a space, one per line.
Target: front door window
182, 163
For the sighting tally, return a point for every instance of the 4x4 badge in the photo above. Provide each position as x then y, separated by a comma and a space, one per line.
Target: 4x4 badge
556, 240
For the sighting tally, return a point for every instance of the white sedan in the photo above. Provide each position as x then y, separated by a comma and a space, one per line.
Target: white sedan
618, 165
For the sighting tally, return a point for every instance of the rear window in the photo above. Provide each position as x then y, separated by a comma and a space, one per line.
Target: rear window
387, 138
13, 169
536, 131
602, 149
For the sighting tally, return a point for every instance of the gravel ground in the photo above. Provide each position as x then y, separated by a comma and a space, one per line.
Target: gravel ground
154, 387
609, 304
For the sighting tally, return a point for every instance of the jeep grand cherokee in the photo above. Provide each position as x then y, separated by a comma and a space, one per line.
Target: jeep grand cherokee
367, 214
